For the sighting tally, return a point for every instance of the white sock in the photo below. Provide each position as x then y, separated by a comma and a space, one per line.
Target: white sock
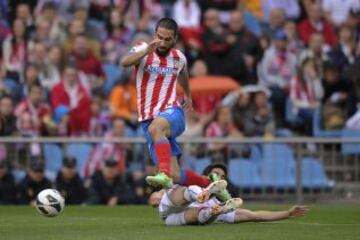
204, 215
191, 192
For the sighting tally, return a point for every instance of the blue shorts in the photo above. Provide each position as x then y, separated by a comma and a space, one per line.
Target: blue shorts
176, 119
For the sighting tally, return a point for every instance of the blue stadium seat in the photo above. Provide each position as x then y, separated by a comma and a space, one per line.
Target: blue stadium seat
350, 148
318, 130
53, 157
18, 174
201, 164
80, 151
244, 173
255, 153
313, 174
278, 167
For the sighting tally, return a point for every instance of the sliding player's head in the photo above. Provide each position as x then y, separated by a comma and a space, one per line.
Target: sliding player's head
167, 31
155, 198
217, 168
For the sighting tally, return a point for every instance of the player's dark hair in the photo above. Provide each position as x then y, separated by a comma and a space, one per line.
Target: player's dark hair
210, 167
168, 23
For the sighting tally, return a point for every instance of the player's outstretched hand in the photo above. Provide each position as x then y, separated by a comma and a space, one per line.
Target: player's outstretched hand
188, 106
153, 45
297, 211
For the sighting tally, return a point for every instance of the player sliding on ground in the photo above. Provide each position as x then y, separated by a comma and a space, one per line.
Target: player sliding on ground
158, 68
178, 206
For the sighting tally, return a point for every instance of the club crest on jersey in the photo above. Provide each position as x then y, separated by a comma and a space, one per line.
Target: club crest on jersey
160, 70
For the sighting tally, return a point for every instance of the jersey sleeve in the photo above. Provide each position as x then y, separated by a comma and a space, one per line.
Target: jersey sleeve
183, 61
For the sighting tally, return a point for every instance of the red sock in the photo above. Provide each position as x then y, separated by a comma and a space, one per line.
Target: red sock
163, 154
192, 178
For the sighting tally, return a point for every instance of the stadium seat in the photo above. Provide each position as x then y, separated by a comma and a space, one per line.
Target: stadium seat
112, 77
201, 164
318, 130
350, 148
244, 173
278, 166
313, 174
80, 151
18, 174
53, 157
255, 153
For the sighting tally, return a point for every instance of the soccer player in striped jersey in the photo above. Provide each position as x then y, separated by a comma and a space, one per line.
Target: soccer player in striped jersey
158, 69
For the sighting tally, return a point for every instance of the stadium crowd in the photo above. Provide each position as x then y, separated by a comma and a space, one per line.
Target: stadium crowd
60, 73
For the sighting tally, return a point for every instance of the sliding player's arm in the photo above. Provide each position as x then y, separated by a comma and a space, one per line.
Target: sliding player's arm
138, 52
244, 215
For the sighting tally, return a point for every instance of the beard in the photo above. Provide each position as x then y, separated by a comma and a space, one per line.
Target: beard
162, 51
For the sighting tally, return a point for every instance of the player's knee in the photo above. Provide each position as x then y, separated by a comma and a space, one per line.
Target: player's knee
153, 130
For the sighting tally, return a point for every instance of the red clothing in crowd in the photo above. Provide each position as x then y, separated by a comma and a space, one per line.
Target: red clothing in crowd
80, 112
306, 29
37, 112
90, 64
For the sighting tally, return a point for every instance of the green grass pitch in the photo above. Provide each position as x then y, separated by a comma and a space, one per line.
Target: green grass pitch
326, 222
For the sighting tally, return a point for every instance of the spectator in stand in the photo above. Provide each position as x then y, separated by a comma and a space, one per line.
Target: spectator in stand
15, 52
276, 22
88, 63
55, 57
69, 183
71, 93
315, 22
290, 8
7, 115
245, 50
48, 13
260, 120
33, 183
187, 13
338, 92
81, 12
241, 109
294, 43
75, 28
39, 111
108, 150
7, 185
275, 71
119, 36
315, 51
338, 11
62, 119
100, 117
23, 12
344, 54
48, 75
123, 102
306, 92
221, 126
216, 45
107, 186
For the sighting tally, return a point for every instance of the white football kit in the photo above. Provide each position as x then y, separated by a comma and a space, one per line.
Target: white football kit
175, 215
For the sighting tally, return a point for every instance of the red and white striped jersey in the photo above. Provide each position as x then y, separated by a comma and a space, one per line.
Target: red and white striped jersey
156, 79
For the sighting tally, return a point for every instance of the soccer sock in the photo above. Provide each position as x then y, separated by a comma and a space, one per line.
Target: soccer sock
188, 178
191, 192
204, 215
163, 154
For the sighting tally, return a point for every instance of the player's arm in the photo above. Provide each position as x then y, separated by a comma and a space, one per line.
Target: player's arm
244, 215
184, 83
136, 54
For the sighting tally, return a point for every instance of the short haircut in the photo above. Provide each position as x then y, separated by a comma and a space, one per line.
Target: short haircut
168, 23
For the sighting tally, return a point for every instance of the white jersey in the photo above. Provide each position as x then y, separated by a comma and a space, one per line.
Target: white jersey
156, 79
166, 207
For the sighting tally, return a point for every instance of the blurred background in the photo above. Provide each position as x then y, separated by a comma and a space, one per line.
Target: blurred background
275, 84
